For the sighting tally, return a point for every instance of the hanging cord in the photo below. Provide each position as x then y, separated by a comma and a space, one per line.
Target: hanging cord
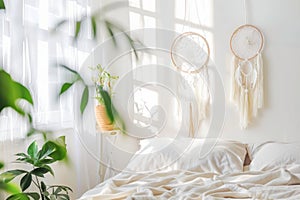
245, 12
188, 18
199, 19
185, 11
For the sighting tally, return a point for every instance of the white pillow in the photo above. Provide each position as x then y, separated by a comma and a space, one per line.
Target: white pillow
189, 154
274, 155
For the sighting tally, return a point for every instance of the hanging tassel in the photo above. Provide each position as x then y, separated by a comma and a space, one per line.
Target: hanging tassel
246, 115
191, 127
205, 96
244, 109
254, 97
260, 86
234, 88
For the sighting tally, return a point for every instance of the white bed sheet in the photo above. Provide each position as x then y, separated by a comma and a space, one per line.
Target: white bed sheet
279, 184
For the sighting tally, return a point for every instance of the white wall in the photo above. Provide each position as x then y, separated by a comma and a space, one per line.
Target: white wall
279, 21
280, 24
279, 120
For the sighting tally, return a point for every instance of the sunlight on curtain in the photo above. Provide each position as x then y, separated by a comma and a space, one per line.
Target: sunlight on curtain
30, 51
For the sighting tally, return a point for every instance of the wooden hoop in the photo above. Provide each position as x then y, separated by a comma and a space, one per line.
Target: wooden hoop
261, 36
181, 36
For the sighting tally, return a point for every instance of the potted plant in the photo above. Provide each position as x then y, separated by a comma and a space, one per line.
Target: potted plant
39, 161
104, 110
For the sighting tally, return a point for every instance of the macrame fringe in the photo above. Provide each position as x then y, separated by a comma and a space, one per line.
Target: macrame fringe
198, 108
260, 81
247, 101
244, 111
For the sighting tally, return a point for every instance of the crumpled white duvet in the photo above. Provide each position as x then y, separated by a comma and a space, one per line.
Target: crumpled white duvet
279, 184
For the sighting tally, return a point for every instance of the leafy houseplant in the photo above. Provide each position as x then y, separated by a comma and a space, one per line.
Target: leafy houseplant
40, 161
7, 187
103, 79
103, 84
15, 91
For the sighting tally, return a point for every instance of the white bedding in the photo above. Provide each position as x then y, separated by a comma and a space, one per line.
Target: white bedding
223, 156
279, 184
217, 175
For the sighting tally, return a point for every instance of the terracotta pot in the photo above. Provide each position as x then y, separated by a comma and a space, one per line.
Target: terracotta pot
102, 119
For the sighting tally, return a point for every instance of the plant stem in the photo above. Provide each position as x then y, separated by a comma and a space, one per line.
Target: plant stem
40, 189
35, 183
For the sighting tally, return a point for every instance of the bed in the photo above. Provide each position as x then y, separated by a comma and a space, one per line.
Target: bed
186, 168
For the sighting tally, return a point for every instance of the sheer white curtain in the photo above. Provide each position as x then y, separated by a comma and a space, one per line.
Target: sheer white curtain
29, 52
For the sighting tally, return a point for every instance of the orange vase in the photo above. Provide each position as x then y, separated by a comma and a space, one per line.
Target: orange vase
102, 119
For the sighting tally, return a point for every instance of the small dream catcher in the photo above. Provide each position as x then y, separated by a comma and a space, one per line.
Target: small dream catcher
190, 55
246, 44
190, 52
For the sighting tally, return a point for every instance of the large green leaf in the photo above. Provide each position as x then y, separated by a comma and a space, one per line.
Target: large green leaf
109, 27
24, 196
77, 28
78, 78
94, 26
65, 87
118, 120
33, 150
49, 168
84, 99
9, 188
11, 92
54, 149
33, 195
10, 175
107, 103
61, 150
19, 196
69, 69
26, 181
47, 149
2, 5
41, 171
22, 157
1, 165
43, 186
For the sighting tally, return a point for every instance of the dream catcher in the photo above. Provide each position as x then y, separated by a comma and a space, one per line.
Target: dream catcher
246, 44
190, 52
190, 55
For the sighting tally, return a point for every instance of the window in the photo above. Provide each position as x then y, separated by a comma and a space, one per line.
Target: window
179, 15
30, 52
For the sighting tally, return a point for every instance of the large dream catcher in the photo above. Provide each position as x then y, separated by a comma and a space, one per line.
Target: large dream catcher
190, 55
246, 44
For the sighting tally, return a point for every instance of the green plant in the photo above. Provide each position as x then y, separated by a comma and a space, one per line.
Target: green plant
103, 84
97, 19
103, 80
7, 187
40, 161
12, 92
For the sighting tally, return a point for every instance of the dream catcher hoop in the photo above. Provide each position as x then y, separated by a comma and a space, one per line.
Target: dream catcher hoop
190, 54
246, 44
